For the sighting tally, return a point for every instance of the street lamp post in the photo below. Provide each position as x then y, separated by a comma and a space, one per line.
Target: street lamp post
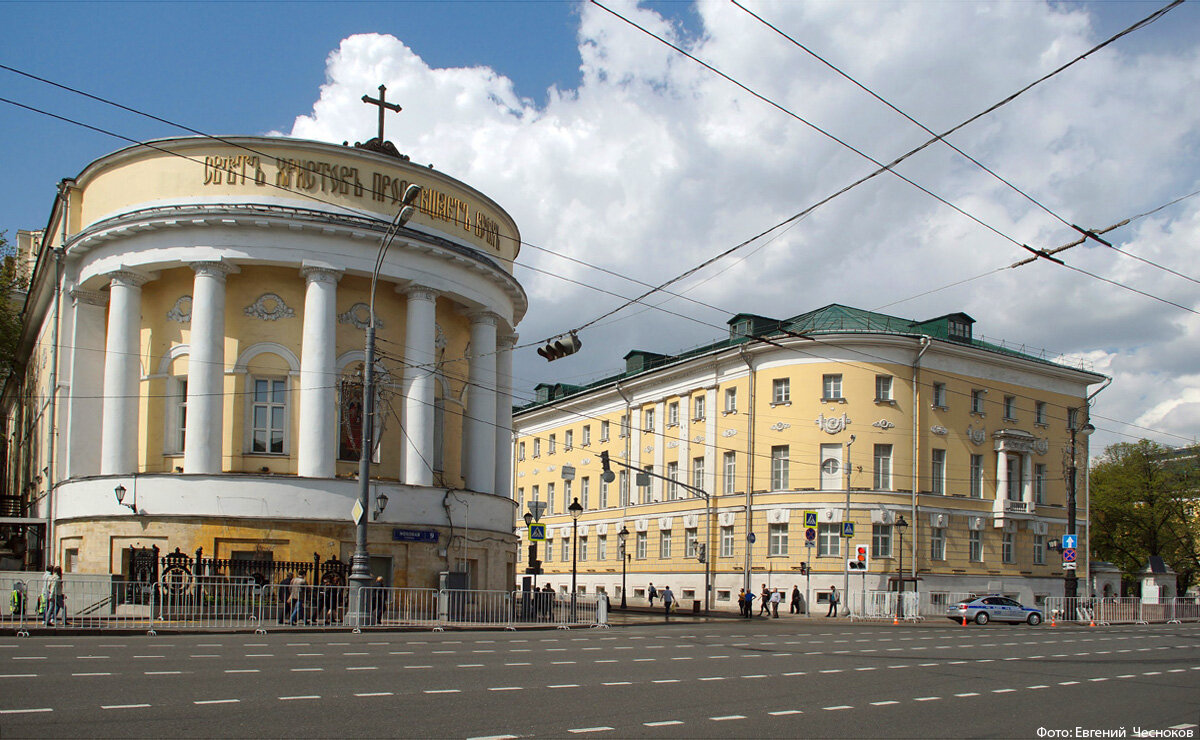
576, 509
901, 525
1070, 580
621, 537
360, 563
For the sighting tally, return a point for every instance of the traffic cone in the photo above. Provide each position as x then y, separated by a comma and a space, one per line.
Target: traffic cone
1092, 623
964, 622
1052, 624
895, 620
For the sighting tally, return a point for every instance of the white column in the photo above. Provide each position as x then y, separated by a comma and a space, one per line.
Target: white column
1001, 474
479, 468
206, 370
87, 384
420, 358
712, 464
316, 453
119, 425
1027, 478
504, 482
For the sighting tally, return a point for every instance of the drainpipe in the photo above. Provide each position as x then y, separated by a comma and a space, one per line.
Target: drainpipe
749, 464
51, 470
1087, 494
628, 442
916, 451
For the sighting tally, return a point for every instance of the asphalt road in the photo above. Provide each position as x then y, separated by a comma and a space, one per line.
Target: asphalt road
716, 679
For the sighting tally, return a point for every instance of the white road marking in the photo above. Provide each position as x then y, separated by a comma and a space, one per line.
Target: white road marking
242, 670
1067, 683
1038, 686
663, 723
25, 711
307, 670
928, 698
727, 717
418, 666
579, 730
376, 693
294, 698
443, 691
162, 673
506, 688
124, 706
617, 683
43, 657
795, 673
518, 664
784, 712
563, 686
1003, 691
91, 674
362, 668
219, 701
713, 678
149, 656
868, 668
840, 706
260, 655
472, 665
31, 675
571, 662
666, 680
883, 703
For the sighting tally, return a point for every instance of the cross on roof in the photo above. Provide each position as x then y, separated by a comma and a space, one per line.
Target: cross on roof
383, 106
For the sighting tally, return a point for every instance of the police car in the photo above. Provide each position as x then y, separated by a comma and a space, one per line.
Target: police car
984, 609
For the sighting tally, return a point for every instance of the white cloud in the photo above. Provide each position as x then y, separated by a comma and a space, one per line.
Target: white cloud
652, 164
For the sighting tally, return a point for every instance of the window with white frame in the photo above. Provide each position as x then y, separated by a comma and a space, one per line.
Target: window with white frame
648, 420
520, 498
664, 544
777, 539
177, 424
730, 472
727, 542
1039, 412
977, 401
624, 426
831, 387
881, 540
1072, 418
603, 494
604, 431
549, 498
673, 477
1010, 408
550, 446
1039, 549
829, 540
639, 545
937, 543
781, 390
975, 545
520, 451
698, 408
883, 388
698, 472
623, 487
644, 491
566, 549
730, 400
537, 447
549, 549
691, 542
1039, 483
566, 495
673, 414
1006, 547
587, 435
585, 490
883, 467
568, 439
535, 494
583, 548
268, 415
937, 472
602, 547
779, 467
939, 395
976, 476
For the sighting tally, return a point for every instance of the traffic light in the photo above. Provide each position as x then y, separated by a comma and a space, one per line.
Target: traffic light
861, 558
608, 476
803, 569
560, 347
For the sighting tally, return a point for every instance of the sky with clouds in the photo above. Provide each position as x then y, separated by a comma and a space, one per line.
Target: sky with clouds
610, 148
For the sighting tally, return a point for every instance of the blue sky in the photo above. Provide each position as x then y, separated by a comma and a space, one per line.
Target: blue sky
643, 163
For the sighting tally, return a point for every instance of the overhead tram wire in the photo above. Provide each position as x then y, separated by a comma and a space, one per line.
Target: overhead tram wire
883, 168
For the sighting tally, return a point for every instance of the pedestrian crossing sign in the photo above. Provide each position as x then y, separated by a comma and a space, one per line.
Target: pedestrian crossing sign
810, 519
537, 532
847, 529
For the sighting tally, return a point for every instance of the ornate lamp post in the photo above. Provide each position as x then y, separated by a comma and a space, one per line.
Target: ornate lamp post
576, 509
901, 525
621, 537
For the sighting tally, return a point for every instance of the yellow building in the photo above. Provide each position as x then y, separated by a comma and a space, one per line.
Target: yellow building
194, 340
859, 417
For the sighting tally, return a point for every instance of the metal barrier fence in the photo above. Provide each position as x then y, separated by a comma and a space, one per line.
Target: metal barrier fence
241, 604
884, 605
935, 603
1121, 610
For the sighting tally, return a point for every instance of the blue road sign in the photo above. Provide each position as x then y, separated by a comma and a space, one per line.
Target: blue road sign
847, 529
537, 532
1068, 554
810, 518
1070, 541
750, 538
810, 534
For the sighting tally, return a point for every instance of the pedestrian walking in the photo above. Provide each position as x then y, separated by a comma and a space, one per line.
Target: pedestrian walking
297, 599
668, 600
44, 599
795, 608
284, 593
651, 593
776, 597
53, 593
764, 606
833, 602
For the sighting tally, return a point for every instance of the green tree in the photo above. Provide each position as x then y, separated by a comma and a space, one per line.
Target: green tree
1145, 502
12, 298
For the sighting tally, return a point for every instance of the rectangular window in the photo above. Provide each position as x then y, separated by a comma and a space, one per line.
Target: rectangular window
179, 421
829, 540
698, 408
673, 475
730, 400
831, 387
1014, 478
566, 495
779, 468
603, 494
550, 446
604, 431
520, 451
1039, 483
566, 549
585, 490
937, 543
883, 388
587, 435
269, 415
673, 414
781, 390
939, 395
624, 426
976, 476
975, 545
1010, 408
639, 548
583, 548
1039, 550
698, 472
1039, 412
535, 494
648, 417
881, 540
520, 498
777, 539
1072, 418
568, 439
645, 490
602, 547
977, 401
691, 542
1006, 547
549, 498
937, 473
883, 467
537, 447
549, 550
730, 473
623, 486
664, 544
727, 542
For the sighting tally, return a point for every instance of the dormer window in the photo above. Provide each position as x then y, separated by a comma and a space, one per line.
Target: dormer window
959, 330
